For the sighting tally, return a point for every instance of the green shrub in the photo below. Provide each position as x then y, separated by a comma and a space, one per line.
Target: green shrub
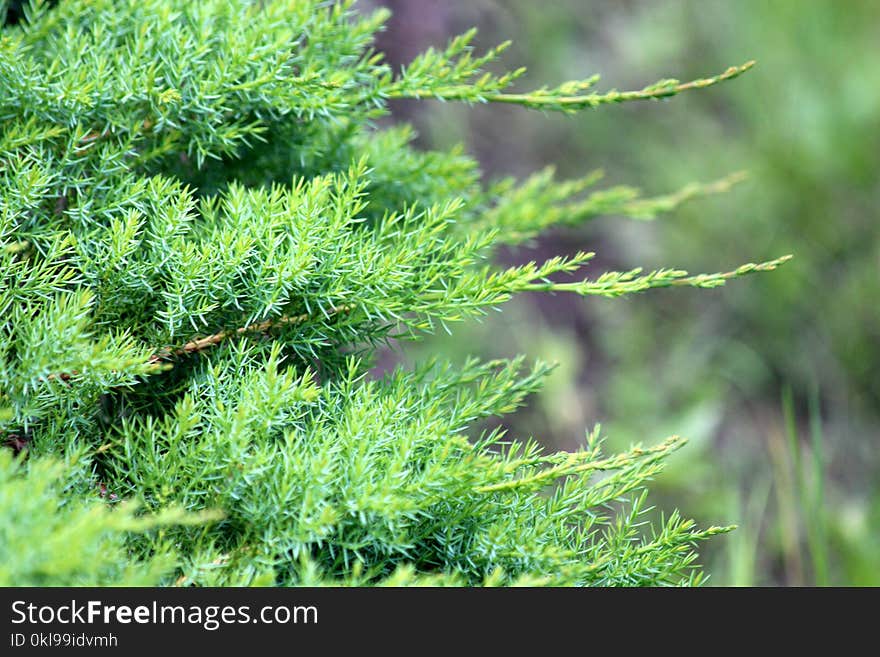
205, 237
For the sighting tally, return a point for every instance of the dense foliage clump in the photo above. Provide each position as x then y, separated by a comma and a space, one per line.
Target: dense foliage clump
205, 238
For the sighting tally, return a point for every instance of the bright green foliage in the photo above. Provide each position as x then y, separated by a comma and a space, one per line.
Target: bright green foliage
57, 532
205, 238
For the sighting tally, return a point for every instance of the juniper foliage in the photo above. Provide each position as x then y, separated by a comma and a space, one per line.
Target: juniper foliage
205, 239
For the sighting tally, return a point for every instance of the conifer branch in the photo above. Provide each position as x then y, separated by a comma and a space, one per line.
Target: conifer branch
200, 344
523, 211
560, 98
90, 138
583, 462
656, 91
615, 284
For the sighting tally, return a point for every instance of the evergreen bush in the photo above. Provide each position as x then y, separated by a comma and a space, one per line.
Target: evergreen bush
206, 236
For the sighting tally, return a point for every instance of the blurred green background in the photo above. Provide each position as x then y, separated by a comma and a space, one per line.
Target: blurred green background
773, 378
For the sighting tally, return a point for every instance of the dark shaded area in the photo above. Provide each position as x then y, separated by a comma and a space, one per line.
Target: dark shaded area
15, 12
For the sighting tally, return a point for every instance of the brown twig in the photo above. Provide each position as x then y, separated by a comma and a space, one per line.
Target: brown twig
16, 442
200, 344
194, 346
91, 137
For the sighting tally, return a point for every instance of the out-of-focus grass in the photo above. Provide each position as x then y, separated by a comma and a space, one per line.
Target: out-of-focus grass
806, 527
801, 476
